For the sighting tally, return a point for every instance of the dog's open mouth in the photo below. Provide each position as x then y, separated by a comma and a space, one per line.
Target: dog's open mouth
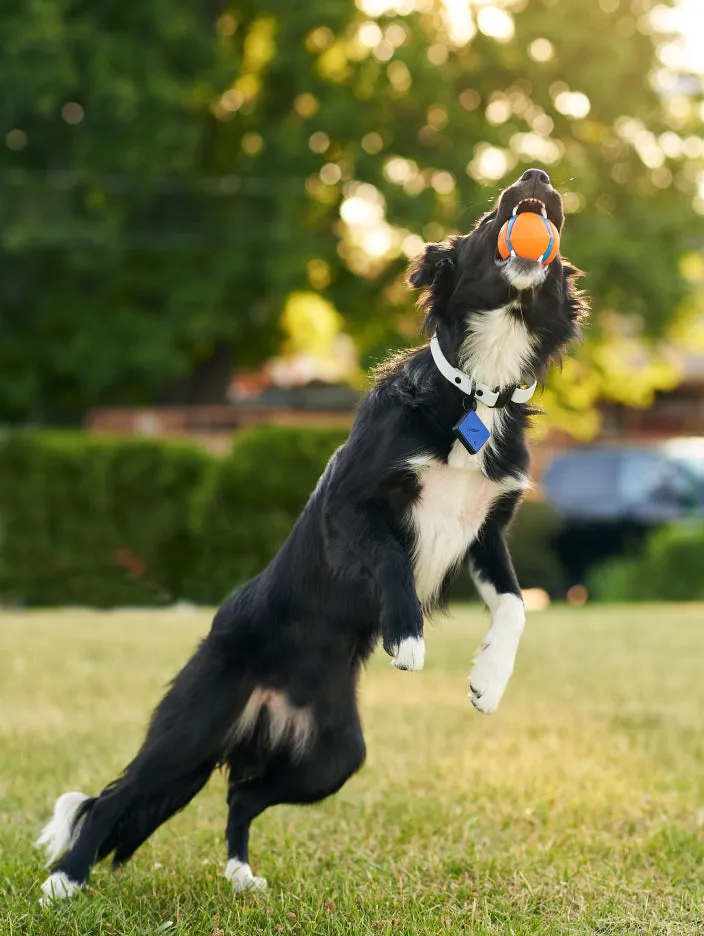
531, 204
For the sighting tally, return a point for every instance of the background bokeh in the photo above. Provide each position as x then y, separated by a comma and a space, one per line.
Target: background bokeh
206, 211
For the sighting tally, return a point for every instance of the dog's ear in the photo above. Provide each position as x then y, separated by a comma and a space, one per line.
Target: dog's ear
437, 260
435, 269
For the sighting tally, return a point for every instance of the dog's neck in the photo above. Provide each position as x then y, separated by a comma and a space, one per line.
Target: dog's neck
497, 348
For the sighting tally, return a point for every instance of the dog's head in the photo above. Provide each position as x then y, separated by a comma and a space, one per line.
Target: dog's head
466, 275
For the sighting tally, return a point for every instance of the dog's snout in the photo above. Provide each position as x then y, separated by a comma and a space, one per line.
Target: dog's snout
535, 175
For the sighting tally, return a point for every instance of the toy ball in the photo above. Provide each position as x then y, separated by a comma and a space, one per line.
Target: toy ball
531, 236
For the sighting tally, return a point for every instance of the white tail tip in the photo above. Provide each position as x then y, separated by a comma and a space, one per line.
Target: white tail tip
56, 836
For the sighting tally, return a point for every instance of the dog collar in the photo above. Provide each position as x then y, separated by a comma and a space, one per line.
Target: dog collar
471, 387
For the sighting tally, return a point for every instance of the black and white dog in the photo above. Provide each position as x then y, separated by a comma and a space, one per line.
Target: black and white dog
402, 507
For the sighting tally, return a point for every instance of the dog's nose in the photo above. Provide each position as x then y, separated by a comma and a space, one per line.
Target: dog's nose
535, 175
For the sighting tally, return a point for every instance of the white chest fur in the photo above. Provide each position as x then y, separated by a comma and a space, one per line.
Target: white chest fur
497, 348
454, 502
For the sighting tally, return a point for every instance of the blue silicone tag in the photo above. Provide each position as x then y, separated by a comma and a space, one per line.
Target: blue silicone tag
472, 432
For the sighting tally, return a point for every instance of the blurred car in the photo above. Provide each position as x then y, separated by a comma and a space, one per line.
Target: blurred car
609, 498
645, 485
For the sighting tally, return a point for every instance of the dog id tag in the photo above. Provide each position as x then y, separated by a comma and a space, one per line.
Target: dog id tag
471, 432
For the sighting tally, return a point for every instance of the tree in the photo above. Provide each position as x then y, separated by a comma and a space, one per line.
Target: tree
115, 271
181, 173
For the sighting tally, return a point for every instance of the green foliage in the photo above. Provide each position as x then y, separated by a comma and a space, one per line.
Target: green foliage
117, 277
670, 569
162, 193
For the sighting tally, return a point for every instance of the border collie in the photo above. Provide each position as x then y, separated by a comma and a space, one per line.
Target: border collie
409, 500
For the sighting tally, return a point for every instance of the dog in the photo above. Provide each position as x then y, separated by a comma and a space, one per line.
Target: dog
410, 499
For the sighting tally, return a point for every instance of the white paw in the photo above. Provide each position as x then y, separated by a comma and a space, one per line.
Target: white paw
57, 887
409, 654
492, 671
239, 874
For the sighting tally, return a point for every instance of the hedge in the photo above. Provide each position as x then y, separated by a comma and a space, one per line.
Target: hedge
105, 522
95, 521
671, 568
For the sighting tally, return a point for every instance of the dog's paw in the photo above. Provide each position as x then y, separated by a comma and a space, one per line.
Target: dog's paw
409, 654
57, 887
239, 874
492, 671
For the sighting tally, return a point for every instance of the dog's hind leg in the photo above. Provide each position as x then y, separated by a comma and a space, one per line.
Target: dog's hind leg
243, 807
119, 821
336, 754
184, 743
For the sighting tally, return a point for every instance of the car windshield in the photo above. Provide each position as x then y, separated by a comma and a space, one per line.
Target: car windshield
607, 478
641, 474
588, 475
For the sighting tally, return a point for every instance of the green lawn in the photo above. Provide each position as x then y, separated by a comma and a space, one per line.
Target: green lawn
577, 808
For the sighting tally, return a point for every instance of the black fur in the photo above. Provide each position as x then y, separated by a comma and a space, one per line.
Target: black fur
344, 578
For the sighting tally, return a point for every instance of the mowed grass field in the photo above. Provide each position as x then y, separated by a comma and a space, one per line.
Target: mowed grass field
577, 808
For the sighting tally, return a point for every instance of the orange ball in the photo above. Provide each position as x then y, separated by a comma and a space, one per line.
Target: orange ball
530, 236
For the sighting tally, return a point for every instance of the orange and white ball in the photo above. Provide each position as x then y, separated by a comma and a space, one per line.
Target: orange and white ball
530, 236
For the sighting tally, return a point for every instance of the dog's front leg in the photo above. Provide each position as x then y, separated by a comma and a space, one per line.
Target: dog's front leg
492, 571
363, 549
402, 621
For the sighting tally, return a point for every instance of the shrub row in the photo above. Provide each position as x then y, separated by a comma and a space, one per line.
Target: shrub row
670, 568
104, 522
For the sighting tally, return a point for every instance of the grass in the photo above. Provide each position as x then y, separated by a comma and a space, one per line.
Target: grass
578, 808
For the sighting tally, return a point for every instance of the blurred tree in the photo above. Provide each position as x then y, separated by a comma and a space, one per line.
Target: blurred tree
173, 171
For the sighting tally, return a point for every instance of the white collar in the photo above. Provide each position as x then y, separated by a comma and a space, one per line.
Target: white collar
471, 387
